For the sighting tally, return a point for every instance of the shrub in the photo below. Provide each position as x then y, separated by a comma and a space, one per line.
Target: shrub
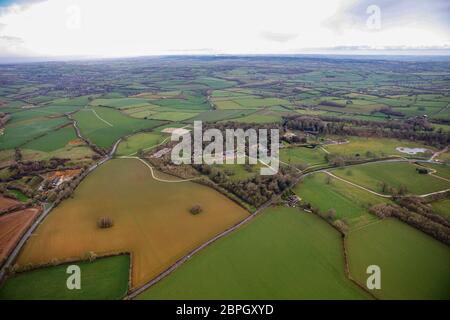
105, 222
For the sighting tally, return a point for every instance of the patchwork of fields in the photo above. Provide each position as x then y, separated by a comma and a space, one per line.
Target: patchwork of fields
104, 126
337, 120
151, 220
283, 254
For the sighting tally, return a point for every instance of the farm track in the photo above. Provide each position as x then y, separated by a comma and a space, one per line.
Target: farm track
100, 118
438, 153
385, 195
153, 174
357, 185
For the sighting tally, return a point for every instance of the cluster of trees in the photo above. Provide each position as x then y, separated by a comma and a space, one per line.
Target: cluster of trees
330, 216
105, 222
25, 168
414, 219
294, 139
196, 209
415, 129
256, 190
421, 207
387, 189
438, 196
4, 118
391, 112
332, 104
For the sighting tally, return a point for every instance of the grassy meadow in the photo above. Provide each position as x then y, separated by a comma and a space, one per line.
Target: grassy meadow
102, 279
283, 254
413, 265
394, 174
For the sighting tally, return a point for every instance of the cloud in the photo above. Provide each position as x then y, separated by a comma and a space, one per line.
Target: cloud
107, 28
278, 36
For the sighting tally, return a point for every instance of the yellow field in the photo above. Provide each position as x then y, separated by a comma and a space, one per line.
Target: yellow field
151, 219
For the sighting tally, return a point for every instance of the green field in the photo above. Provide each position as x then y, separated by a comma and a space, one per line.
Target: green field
218, 115
442, 170
442, 207
53, 140
142, 141
19, 133
173, 116
104, 279
303, 156
284, 254
239, 171
76, 153
260, 102
413, 265
106, 131
120, 103
375, 147
351, 203
394, 174
265, 116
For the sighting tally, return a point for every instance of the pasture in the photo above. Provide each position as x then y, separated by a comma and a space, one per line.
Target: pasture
283, 254
21, 132
139, 141
102, 279
106, 125
413, 265
394, 174
375, 148
218, 115
151, 219
263, 116
53, 140
120, 103
442, 207
172, 116
303, 156
351, 203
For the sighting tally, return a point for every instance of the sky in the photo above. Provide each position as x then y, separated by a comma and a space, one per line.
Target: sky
116, 28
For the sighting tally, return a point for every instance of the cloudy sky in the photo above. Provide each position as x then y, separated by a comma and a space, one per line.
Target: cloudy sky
111, 28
